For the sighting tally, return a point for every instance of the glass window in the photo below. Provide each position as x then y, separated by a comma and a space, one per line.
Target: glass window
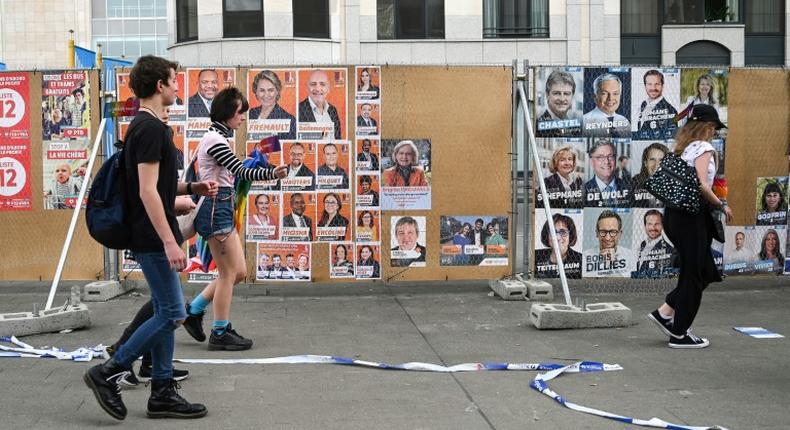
131, 8
242, 18
160, 8
186, 20
701, 11
131, 48
115, 8
99, 26
311, 18
765, 17
147, 8
114, 48
410, 19
161, 46
639, 17
99, 8
148, 46
515, 18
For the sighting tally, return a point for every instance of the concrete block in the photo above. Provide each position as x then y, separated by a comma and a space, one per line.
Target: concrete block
101, 291
556, 316
509, 289
539, 290
71, 315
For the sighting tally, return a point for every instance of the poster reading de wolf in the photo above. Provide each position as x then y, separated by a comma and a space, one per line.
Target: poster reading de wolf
406, 175
560, 100
15, 149
473, 240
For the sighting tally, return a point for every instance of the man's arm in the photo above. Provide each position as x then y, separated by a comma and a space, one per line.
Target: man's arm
149, 176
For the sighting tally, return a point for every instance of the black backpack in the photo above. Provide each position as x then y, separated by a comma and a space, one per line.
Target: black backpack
676, 184
106, 210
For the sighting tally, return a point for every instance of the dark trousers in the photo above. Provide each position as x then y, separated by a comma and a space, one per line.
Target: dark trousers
692, 236
144, 314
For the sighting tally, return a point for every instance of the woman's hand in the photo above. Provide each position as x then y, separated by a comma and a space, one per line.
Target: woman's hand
205, 188
281, 171
728, 214
184, 205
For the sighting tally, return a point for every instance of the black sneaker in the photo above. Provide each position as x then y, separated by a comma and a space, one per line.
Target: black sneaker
665, 324
129, 380
103, 381
228, 341
689, 341
165, 402
145, 373
194, 325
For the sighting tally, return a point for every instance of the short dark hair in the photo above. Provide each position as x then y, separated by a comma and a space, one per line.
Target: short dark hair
79, 90
226, 103
365, 178
653, 72
653, 212
773, 187
610, 214
146, 74
568, 221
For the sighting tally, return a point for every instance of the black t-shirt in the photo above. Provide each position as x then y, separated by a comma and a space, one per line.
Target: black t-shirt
150, 140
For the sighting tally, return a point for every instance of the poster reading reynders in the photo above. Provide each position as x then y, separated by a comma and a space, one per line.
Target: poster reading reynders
473, 241
283, 262
564, 162
322, 104
202, 86
406, 176
568, 224
607, 243
407, 241
772, 200
15, 193
607, 102
272, 96
609, 182
560, 99
65, 135
654, 102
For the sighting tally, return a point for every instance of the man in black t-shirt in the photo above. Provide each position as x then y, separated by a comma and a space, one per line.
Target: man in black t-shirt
152, 184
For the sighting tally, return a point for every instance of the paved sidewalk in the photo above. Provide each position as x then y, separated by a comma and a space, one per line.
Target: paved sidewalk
739, 382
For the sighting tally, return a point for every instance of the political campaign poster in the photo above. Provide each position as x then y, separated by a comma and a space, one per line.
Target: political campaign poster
772, 240
652, 247
322, 109
563, 168
274, 159
264, 216
301, 160
179, 140
178, 110
646, 156
127, 105
704, 86
194, 268
569, 226
608, 248
334, 212
368, 188
407, 241
655, 100
15, 174
772, 200
341, 260
368, 264
368, 82
368, 225
128, 263
717, 251
288, 262
272, 97
740, 249
560, 101
787, 253
202, 86
406, 176
368, 118
720, 145
607, 102
467, 240
299, 217
368, 152
608, 178
334, 165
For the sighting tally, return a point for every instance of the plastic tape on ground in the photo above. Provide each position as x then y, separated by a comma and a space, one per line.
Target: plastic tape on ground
26, 351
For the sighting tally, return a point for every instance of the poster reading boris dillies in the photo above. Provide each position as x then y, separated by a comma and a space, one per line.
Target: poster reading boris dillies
473, 240
15, 178
202, 86
560, 100
280, 261
607, 243
406, 175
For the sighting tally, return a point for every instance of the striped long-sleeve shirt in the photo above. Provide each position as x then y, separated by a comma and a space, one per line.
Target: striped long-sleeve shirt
217, 162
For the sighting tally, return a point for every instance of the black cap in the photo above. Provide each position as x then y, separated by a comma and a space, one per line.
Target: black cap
703, 112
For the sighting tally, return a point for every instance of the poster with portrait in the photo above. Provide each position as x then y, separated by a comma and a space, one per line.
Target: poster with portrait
569, 226
334, 213
179, 141
772, 200
301, 160
15, 174
368, 119
787, 252
368, 154
264, 216
65, 164
341, 260
607, 102
563, 166
473, 240
652, 247
288, 262
194, 268
274, 159
334, 165
127, 105
178, 110
128, 263
608, 248
772, 241
190, 153
407, 241
720, 145
655, 101
368, 189
368, 225
368, 82
646, 156
202, 86
65, 105
299, 217
704, 86
608, 181
368, 263
406, 176
740, 249
322, 104
560, 101
272, 97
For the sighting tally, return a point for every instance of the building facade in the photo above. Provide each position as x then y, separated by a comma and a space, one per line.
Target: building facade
579, 32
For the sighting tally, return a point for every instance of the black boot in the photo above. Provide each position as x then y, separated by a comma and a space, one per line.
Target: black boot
103, 381
194, 325
165, 402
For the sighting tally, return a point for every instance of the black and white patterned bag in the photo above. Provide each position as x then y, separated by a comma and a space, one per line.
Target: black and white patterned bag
676, 184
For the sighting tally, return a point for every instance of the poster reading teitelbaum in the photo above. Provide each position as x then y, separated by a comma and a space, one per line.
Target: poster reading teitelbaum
15, 191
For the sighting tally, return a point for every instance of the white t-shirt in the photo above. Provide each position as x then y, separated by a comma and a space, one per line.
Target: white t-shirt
696, 149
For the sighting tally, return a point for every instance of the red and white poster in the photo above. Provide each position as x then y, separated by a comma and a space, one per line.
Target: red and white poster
15, 191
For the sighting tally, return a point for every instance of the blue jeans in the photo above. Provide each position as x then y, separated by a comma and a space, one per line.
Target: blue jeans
215, 216
156, 334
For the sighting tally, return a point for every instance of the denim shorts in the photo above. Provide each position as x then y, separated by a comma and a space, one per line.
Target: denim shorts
215, 216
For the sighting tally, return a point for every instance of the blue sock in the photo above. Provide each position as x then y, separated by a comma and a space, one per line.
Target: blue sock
198, 305
219, 327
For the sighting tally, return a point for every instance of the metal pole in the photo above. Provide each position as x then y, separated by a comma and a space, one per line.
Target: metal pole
514, 168
546, 206
527, 188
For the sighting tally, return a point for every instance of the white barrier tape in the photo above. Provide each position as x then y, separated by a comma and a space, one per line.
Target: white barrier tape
23, 350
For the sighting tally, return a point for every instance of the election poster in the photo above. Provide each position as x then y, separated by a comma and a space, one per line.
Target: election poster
787, 253
607, 102
652, 247
202, 86
66, 136
334, 165
563, 166
368, 264
322, 104
473, 240
717, 251
15, 174
646, 156
341, 260
274, 158
289, 262
334, 211
569, 225
407, 241
720, 146
301, 160
194, 268
607, 243
368, 188
655, 98
128, 263
704, 86
740, 249
772, 240
368, 227
368, 119
178, 110
368, 154
179, 141
127, 105
772, 200
560, 101
299, 217
406, 176
608, 179
263, 216
272, 97
368, 82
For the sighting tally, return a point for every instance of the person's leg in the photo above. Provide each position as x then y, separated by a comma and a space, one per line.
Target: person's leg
231, 266
143, 314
